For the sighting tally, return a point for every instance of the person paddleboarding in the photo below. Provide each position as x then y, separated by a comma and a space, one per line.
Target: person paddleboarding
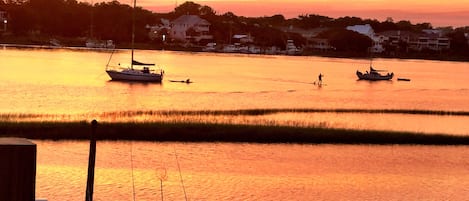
320, 78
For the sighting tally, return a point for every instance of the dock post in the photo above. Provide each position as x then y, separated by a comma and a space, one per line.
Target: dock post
91, 162
17, 169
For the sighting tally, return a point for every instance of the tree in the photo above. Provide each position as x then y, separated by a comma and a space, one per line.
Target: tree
458, 42
311, 21
188, 8
346, 21
347, 41
274, 20
404, 25
206, 11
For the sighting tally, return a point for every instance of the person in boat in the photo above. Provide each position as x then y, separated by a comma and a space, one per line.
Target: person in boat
320, 78
188, 81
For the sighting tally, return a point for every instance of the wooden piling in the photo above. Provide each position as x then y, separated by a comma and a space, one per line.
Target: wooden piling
17, 169
91, 162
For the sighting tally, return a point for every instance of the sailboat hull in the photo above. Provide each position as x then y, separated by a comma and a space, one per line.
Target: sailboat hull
374, 76
134, 75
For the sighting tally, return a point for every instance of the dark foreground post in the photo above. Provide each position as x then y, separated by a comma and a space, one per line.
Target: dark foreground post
91, 162
17, 169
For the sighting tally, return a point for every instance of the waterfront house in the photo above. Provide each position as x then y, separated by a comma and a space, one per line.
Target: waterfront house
416, 41
321, 44
190, 28
160, 30
432, 42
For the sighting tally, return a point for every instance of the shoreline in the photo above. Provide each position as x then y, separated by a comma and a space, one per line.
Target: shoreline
328, 54
210, 132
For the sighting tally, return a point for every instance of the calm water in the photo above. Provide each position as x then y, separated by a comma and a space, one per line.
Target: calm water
67, 85
64, 85
223, 171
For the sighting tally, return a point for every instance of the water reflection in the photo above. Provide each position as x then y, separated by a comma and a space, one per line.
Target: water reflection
227, 171
73, 84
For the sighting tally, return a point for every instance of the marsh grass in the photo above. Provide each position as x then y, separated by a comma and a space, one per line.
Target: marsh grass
212, 132
158, 115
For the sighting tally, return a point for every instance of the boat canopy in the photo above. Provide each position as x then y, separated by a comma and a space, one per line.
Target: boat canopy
374, 70
137, 63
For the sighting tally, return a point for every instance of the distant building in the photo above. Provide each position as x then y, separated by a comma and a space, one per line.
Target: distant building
160, 30
367, 30
190, 28
433, 42
415, 41
320, 44
312, 37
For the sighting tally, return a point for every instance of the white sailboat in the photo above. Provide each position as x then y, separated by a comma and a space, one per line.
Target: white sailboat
143, 74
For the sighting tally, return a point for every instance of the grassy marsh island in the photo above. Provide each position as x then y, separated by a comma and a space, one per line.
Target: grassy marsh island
212, 132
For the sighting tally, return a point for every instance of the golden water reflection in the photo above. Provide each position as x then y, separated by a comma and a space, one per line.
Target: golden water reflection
227, 171
71, 85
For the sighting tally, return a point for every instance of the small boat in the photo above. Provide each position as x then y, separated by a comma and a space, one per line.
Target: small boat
137, 75
374, 75
188, 81
403, 79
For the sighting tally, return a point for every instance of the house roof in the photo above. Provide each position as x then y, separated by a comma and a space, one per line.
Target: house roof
239, 36
363, 29
190, 19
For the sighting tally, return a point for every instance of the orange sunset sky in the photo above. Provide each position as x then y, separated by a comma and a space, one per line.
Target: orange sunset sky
439, 13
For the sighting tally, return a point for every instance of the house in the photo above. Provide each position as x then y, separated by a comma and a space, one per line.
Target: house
399, 39
190, 28
367, 30
312, 37
432, 42
415, 41
321, 44
315, 41
160, 30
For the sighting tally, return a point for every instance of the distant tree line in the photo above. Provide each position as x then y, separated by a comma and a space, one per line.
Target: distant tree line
69, 18
112, 20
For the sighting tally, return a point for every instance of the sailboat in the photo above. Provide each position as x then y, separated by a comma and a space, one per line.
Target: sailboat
143, 73
374, 75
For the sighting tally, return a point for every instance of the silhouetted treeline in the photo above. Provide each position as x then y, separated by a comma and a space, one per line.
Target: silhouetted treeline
70, 18
112, 20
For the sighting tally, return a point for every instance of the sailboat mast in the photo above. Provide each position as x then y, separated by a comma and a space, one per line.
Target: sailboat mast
133, 35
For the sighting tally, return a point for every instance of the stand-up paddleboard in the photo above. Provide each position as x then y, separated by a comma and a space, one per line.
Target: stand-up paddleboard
319, 84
